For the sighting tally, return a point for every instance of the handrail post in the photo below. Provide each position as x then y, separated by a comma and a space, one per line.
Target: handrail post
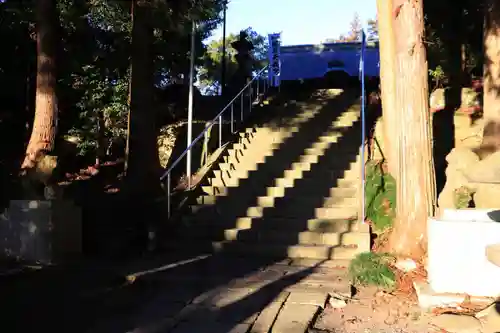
220, 131
250, 99
168, 196
242, 101
232, 118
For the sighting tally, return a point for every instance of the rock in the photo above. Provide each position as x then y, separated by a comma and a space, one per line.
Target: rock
491, 322
487, 196
406, 265
462, 158
470, 97
459, 160
486, 171
337, 303
484, 312
457, 323
166, 142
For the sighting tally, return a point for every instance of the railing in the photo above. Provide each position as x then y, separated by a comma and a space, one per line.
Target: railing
245, 98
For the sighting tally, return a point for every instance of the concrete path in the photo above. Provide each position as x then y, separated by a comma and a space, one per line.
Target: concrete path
226, 295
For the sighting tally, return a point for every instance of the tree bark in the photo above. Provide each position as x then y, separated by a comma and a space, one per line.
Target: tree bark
387, 46
415, 181
45, 122
142, 165
491, 76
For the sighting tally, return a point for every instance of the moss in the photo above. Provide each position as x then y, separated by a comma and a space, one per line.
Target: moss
380, 197
463, 197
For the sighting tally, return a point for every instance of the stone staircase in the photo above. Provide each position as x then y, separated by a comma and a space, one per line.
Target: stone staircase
288, 188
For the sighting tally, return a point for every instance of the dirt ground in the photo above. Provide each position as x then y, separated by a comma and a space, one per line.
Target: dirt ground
374, 311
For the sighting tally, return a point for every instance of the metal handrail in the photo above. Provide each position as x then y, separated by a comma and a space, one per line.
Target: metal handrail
211, 123
216, 120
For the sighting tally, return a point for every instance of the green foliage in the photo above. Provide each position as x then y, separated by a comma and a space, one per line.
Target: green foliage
372, 30
380, 197
100, 99
373, 269
461, 27
210, 74
438, 76
94, 58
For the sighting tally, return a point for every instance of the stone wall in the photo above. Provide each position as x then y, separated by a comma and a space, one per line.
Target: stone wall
43, 231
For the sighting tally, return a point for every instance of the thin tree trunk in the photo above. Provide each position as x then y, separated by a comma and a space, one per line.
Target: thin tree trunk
101, 139
45, 122
143, 165
387, 45
491, 76
416, 193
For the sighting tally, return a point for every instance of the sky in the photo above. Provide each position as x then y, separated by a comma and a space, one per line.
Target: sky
298, 22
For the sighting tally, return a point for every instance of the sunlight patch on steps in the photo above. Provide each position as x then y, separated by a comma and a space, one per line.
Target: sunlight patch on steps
287, 180
308, 159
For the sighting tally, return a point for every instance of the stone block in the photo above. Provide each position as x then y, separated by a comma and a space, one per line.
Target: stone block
429, 299
457, 260
210, 327
266, 318
295, 318
308, 298
43, 231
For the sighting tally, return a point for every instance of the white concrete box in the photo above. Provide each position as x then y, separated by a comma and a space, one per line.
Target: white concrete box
457, 260
43, 231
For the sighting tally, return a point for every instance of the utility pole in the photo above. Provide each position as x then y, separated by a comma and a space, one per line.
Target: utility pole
223, 62
190, 104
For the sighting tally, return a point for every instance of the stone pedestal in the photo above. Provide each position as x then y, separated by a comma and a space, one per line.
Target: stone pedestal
43, 231
457, 242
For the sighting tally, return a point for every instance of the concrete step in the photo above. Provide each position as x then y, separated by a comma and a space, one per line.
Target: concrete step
245, 138
267, 223
257, 151
278, 236
343, 122
344, 188
311, 186
294, 171
277, 159
236, 176
320, 252
317, 213
240, 146
252, 160
283, 210
269, 201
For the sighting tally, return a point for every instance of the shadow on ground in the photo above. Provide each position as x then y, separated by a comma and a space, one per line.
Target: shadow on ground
95, 297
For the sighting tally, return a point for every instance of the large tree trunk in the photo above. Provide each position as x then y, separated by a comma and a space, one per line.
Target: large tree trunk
142, 165
387, 45
491, 76
45, 122
416, 193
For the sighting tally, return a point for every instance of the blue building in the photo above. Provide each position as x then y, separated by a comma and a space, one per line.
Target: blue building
305, 62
